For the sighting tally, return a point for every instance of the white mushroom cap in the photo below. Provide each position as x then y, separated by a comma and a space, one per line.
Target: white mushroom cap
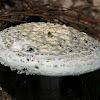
48, 49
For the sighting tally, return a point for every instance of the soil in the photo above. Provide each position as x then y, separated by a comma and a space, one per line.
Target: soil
5, 96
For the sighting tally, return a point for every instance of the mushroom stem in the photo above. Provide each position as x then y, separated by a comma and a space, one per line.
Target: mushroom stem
49, 87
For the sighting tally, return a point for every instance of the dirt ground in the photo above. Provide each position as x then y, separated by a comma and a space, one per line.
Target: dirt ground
5, 96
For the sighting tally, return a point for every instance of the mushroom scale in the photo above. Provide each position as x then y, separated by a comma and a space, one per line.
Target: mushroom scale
48, 49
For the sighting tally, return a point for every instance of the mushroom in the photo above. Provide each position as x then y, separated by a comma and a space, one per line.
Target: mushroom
48, 49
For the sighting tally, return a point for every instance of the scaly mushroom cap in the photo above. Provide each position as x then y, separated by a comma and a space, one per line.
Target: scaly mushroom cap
48, 49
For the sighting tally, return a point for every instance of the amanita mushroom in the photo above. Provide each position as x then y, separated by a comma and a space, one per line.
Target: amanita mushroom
48, 49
